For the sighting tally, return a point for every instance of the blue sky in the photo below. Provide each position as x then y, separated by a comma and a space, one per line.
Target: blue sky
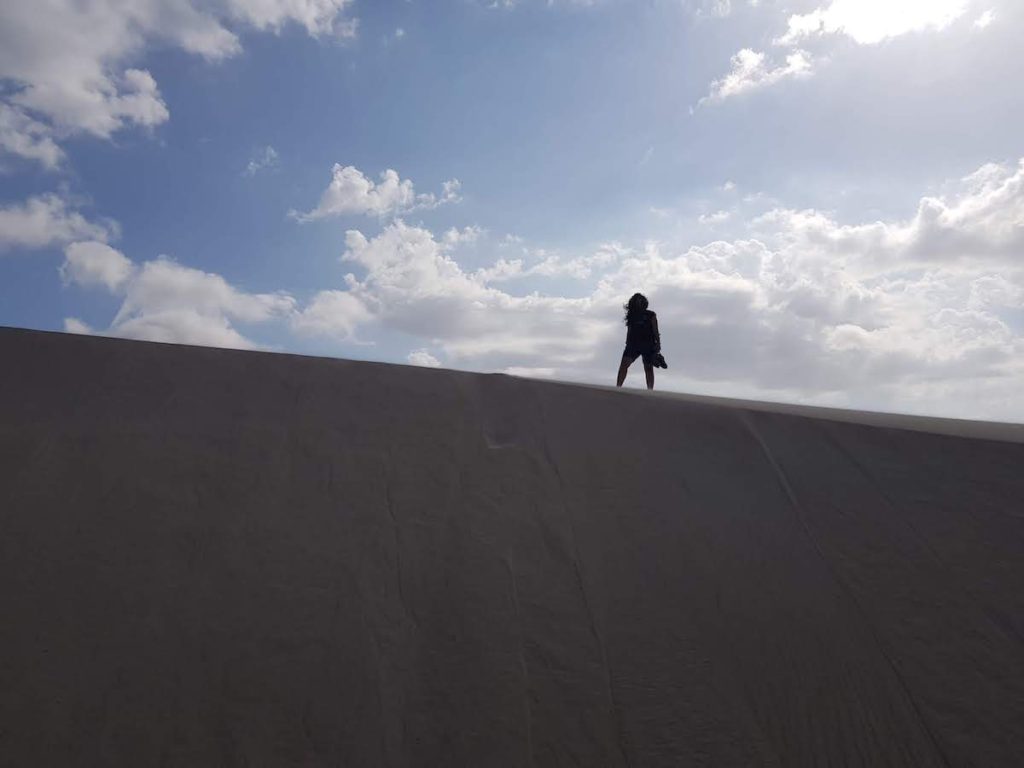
824, 199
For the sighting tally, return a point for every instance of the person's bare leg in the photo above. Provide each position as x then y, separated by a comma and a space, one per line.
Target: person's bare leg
623, 367
649, 373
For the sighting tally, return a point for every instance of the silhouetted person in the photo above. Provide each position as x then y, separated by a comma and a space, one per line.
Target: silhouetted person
642, 338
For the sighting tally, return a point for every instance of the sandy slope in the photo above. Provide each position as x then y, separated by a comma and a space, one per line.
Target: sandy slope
224, 558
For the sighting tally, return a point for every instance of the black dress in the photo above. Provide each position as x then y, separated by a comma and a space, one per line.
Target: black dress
642, 339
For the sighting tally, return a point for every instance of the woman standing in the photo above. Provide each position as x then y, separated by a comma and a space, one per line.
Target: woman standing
642, 339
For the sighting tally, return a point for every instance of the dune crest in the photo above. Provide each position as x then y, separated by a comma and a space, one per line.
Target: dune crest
212, 557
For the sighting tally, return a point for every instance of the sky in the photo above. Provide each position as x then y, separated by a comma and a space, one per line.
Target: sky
823, 200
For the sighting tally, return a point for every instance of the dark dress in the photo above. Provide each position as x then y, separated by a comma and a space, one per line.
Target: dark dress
642, 339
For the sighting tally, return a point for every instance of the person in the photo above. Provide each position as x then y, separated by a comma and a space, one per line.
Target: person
642, 338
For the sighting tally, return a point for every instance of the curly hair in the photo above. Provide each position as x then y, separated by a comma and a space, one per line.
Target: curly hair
635, 307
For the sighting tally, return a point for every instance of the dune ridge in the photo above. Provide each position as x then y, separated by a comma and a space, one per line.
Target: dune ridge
213, 557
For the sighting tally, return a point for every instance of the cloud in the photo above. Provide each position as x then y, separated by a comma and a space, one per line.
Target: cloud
424, 358
872, 21
551, 265
262, 160
352, 193
530, 373
866, 22
46, 220
908, 315
982, 224
27, 138
455, 236
66, 68
711, 219
986, 19
74, 325
413, 285
750, 71
166, 301
319, 17
95, 264
331, 313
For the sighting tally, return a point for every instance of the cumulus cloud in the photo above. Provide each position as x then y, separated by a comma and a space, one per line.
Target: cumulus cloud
711, 219
319, 17
908, 314
331, 313
27, 138
47, 220
74, 325
166, 301
530, 373
872, 21
751, 71
985, 20
544, 264
95, 264
413, 284
423, 358
866, 22
66, 66
983, 224
352, 193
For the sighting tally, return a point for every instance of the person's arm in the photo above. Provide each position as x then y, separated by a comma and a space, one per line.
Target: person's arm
657, 336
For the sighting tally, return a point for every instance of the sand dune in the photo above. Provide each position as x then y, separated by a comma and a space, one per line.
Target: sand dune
220, 558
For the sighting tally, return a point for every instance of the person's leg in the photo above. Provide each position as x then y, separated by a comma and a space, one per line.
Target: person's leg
623, 367
649, 372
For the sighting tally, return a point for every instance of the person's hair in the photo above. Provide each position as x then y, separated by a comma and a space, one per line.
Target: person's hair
635, 307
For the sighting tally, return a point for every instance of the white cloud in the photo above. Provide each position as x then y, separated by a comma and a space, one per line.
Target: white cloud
262, 160
872, 21
166, 301
711, 219
983, 21
455, 236
413, 285
46, 220
93, 263
351, 192
983, 224
319, 17
909, 315
578, 267
424, 358
66, 64
74, 325
22, 136
530, 373
750, 71
164, 285
501, 270
331, 313
866, 22
550, 265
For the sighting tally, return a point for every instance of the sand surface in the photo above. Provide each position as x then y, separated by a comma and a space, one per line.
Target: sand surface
219, 558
